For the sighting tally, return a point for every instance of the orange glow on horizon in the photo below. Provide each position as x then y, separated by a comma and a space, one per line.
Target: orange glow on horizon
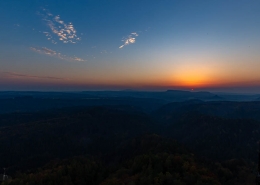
192, 81
194, 76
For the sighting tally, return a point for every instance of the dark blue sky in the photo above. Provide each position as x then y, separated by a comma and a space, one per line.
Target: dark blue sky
78, 45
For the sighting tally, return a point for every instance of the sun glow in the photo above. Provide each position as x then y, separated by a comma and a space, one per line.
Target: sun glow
192, 80
195, 76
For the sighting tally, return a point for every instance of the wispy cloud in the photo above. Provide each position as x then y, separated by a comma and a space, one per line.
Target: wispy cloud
64, 32
77, 59
18, 75
130, 39
46, 51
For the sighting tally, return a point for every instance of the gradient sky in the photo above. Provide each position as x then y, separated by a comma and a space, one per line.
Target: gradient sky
122, 44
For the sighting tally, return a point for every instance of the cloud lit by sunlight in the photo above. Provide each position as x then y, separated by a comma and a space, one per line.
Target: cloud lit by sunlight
65, 32
129, 40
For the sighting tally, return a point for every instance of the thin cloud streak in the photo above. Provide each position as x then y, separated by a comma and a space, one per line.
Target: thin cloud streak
14, 74
129, 40
65, 32
49, 52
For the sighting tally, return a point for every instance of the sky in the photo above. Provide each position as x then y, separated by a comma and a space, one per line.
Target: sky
75, 45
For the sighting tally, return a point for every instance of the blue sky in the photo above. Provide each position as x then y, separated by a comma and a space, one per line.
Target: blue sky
81, 45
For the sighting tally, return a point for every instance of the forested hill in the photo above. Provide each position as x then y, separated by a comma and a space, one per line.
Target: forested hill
149, 159
67, 133
215, 130
225, 109
179, 143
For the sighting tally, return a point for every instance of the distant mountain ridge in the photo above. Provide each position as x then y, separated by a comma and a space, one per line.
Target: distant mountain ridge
169, 95
148, 101
23, 101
